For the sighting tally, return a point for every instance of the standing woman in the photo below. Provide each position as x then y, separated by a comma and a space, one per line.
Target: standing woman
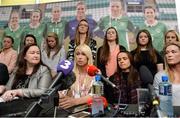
53, 52
80, 90
14, 29
172, 69
156, 28
35, 26
126, 79
30, 79
106, 55
82, 36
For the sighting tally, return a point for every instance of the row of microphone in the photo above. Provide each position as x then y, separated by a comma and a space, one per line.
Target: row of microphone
66, 78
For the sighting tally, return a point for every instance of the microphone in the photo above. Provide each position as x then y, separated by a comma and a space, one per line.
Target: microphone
67, 81
93, 70
64, 68
147, 77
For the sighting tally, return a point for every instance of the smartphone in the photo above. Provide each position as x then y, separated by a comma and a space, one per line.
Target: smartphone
81, 114
121, 106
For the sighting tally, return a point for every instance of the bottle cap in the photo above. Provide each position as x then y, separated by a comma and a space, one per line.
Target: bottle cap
97, 77
164, 78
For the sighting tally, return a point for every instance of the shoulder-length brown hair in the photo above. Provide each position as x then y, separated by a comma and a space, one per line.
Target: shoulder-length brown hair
22, 64
77, 35
150, 48
133, 75
105, 51
57, 47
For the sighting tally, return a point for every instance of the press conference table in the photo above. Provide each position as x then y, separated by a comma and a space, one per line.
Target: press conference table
18, 108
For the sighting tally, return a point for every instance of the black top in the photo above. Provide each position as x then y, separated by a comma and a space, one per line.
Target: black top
21, 82
145, 60
4, 75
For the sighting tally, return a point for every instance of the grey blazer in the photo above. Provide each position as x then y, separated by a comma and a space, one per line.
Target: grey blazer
38, 84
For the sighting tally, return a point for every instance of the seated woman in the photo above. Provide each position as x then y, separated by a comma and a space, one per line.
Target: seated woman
29, 39
82, 36
8, 55
126, 79
172, 69
79, 92
171, 36
53, 52
145, 54
4, 75
30, 79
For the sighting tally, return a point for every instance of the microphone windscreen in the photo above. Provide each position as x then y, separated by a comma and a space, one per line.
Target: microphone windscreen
68, 81
146, 75
65, 67
92, 70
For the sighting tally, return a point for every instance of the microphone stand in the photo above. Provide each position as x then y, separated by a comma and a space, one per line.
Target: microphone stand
119, 100
47, 97
158, 111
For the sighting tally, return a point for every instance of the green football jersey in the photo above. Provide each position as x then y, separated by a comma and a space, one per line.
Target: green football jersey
123, 25
16, 35
38, 32
58, 28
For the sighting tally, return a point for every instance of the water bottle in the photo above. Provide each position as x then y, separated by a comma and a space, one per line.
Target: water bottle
97, 87
97, 90
165, 96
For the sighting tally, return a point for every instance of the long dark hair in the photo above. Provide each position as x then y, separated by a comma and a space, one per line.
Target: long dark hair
150, 48
30, 35
105, 51
22, 65
133, 75
77, 35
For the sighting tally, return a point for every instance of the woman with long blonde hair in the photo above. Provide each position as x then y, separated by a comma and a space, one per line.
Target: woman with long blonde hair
79, 92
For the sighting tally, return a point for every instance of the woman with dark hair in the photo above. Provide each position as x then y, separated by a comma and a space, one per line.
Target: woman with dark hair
82, 36
4, 75
8, 55
30, 79
145, 54
106, 55
126, 79
28, 39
